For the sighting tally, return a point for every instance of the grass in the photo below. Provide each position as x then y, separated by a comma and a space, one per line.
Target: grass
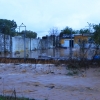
12, 98
70, 74
15, 98
73, 72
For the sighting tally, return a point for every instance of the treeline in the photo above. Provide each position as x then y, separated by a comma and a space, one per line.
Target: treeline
8, 27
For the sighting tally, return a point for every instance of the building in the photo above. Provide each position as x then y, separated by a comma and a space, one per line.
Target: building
67, 41
78, 38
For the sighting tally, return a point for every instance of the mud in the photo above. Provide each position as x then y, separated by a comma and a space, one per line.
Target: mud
42, 81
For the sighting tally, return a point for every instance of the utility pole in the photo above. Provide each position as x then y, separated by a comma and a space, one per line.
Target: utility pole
22, 25
71, 45
90, 25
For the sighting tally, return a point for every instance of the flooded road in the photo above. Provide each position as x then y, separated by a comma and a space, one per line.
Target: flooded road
48, 82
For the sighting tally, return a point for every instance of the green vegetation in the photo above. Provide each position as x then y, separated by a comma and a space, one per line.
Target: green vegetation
15, 98
72, 72
84, 31
67, 31
96, 36
7, 27
12, 98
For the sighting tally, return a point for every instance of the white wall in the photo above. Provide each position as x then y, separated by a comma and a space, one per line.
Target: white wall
18, 43
66, 43
35, 44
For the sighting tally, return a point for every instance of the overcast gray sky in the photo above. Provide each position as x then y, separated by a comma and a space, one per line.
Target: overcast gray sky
41, 15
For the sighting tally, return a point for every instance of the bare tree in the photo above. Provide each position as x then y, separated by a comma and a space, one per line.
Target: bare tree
53, 32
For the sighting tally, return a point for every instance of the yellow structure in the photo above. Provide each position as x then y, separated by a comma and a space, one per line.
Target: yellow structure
80, 37
62, 40
65, 42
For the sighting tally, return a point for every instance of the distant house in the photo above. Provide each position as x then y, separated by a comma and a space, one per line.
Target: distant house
82, 37
67, 41
79, 37
74, 40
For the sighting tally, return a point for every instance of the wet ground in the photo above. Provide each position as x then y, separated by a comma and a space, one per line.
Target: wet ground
49, 82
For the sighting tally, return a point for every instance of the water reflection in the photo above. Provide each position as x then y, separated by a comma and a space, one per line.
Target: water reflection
58, 52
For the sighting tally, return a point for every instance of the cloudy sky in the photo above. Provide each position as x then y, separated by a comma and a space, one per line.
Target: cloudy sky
42, 15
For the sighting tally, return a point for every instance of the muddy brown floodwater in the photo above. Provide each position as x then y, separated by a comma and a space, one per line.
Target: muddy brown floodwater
49, 82
58, 52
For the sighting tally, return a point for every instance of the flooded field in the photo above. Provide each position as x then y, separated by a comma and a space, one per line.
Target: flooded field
59, 52
49, 82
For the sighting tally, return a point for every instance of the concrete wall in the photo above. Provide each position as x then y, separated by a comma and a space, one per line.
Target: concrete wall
7, 42
18, 44
45, 43
35, 44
